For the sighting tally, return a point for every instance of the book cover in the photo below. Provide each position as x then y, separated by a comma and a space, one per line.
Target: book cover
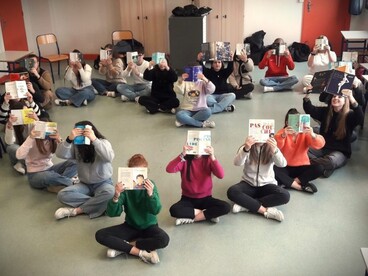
132, 57
17, 89
299, 122
27, 63
216, 51
105, 54
45, 128
82, 140
321, 43
22, 116
157, 57
332, 81
350, 56
75, 57
261, 129
242, 48
199, 140
193, 71
132, 178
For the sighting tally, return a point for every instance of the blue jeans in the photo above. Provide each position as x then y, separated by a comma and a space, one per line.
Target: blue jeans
102, 86
91, 198
279, 83
193, 118
133, 91
218, 102
57, 175
76, 97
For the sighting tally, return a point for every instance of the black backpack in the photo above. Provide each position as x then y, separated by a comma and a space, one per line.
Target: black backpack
299, 51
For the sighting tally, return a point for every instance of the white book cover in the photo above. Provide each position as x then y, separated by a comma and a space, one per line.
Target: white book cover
132, 178
132, 57
75, 57
321, 43
45, 128
17, 89
105, 54
261, 129
242, 48
199, 140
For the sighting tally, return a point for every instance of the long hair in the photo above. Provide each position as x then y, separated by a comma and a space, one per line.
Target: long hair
87, 152
189, 158
18, 129
340, 131
290, 111
40, 143
83, 62
264, 155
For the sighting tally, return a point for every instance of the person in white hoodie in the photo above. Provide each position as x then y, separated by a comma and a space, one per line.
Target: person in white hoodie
258, 191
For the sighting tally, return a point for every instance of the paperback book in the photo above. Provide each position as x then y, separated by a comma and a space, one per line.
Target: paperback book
105, 54
216, 51
132, 178
332, 81
27, 63
299, 122
350, 56
321, 43
157, 57
22, 116
199, 141
261, 129
82, 140
132, 57
75, 57
242, 48
192, 72
17, 89
45, 128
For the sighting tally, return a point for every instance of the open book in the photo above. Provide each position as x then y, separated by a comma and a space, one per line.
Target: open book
157, 57
192, 71
22, 116
216, 51
75, 57
17, 89
299, 122
45, 128
261, 129
82, 140
105, 54
132, 57
199, 140
332, 81
132, 178
350, 56
242, 48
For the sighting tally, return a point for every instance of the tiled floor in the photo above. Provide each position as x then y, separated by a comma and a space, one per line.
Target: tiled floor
321, 235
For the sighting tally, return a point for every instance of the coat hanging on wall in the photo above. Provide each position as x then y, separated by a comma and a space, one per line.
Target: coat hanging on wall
356, 6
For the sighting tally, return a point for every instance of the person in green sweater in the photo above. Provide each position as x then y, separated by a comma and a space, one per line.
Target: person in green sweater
140, 234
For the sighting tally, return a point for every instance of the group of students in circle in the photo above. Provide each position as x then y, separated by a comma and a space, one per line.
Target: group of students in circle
84, 181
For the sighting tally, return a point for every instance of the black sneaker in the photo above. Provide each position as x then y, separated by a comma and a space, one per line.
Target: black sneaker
230, 108
310, 188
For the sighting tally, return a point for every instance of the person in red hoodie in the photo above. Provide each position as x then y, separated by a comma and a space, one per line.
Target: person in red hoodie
197, 203
278, 59
294, 146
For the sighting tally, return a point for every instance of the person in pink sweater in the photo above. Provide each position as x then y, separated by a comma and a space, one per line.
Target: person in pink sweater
294, 146
41, 172
277, 77
197, 203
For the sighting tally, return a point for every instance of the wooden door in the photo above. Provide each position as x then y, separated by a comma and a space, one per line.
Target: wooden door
214, 22
155, 26
325, 18
12, 26
232, 25
131, 18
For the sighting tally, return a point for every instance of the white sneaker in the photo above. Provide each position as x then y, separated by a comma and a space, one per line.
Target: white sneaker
215, 220
124, 98
180, 221
111, 94
112, 253
249, 95
85, 102
136, 99
178, 124
210, 124
65, 212
173, 110
61, 102
273, 213
230, 108
75, 179
237, 208
149, 257
268, 89
19, 168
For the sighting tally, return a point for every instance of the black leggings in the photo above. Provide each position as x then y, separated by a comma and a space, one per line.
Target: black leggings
118, 236
251, 197
212, 207
153, 104
285, 176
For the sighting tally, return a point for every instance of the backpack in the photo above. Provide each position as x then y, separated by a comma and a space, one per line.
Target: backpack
257, 48
299, 51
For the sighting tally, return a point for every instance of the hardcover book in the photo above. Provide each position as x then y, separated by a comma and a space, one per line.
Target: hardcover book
332, 81
45, 128
242, 48
299, 122
132, 178
132, 57
216, 51
157, 57
17, 89
199, 140
192, 71
261, 129
22, 116
82, 140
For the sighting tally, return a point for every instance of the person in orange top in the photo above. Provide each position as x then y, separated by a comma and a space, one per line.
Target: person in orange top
294, 146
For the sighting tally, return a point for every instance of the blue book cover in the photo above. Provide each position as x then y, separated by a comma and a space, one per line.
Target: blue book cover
157, 57
81, 140
192, 71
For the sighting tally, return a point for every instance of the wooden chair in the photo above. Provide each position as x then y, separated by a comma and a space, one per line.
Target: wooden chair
116, 36
48, 39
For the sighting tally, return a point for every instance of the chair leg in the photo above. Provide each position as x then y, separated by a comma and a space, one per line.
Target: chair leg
52, 72
59, 68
